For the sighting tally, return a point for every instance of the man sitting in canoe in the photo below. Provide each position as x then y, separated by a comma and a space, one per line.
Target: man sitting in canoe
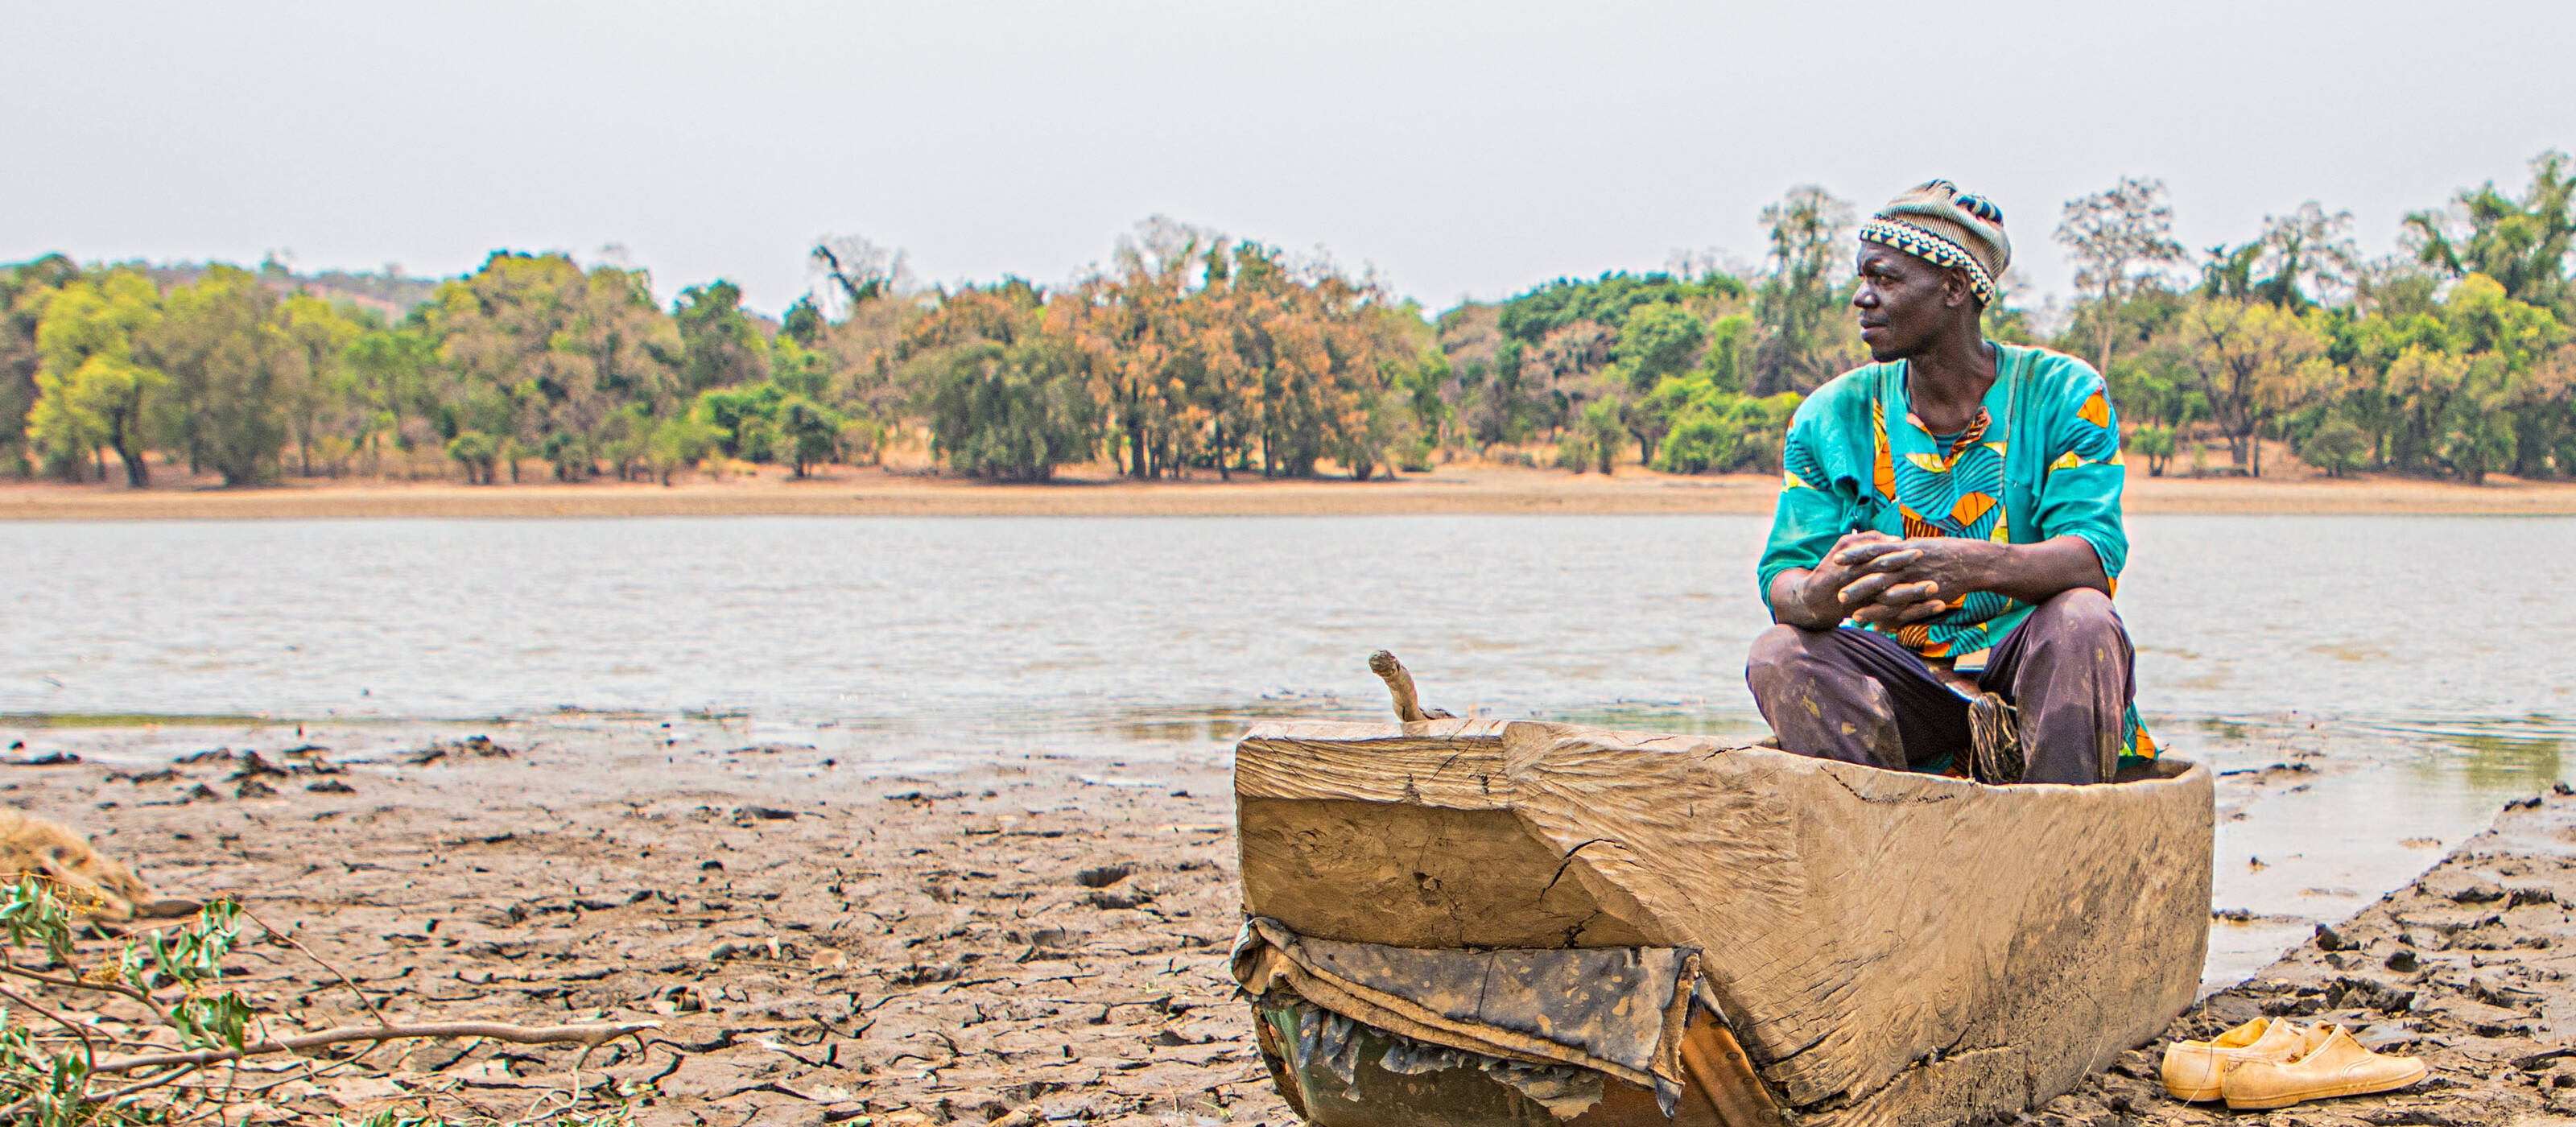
1948, 530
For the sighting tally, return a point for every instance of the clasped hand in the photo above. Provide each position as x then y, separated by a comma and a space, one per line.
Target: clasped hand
1879, 580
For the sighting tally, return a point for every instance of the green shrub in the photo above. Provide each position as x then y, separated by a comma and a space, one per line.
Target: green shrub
2338, 447
2157, 443
475, 451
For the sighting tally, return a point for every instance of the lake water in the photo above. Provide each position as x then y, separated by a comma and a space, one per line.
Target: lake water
2432, 653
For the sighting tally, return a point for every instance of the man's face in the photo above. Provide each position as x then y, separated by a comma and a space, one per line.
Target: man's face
1904, 302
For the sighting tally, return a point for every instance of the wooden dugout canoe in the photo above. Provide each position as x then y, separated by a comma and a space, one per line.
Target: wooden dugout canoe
1886, 948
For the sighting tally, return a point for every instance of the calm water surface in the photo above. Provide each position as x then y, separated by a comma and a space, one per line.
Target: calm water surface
2434, 651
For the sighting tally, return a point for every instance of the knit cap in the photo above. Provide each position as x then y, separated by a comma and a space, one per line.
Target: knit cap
1946, 227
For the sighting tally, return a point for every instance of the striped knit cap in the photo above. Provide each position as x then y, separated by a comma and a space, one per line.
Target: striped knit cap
1946, 227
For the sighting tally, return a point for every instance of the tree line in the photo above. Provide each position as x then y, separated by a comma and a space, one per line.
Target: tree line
1192, 352
2451, 357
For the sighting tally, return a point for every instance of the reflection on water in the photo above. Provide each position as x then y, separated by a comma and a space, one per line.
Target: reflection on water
2426, 692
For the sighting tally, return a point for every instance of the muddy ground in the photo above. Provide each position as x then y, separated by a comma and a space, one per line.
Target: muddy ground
1044, 937
2466, 968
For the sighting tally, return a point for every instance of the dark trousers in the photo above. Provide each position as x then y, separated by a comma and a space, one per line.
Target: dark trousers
1858, 696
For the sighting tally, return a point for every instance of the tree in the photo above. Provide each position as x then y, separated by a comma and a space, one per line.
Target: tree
811, 433
475, 452
2228, 272
1715, 430
535, 346
678, 442
1006, 397
803, 323
720, 346
2253, 362
1603, 433
2306, 257
221, 345
849, 272
92, 388
24, 290
1657, 341
316, 376
744, 420
2521, 243
2337, 446
393, 369
2511, 381
2120, 238
1808, 258
2156, 443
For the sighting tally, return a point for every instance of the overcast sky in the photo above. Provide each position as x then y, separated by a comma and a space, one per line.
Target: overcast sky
1470, 149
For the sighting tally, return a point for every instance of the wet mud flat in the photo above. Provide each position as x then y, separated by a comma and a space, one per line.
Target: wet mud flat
2471, 967
1036, 939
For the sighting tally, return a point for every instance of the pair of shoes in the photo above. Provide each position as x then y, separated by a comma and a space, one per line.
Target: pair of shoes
2269, 1063
2196, 1070
2333, 1065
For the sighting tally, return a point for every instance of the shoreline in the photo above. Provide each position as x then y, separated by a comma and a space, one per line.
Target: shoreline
824, 943
1449, 490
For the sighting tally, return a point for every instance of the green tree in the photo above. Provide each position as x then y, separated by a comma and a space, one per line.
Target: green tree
2521, 243
810, 433
92, 388
1723, 361
2252, 363
679, 442
393, 370
2156, 443
624, 440
24, 290
722, 347
1719, 431
316, 380
533, 345
803, 323
1655, 342
1006, 397
744, 419
799, 370
475, 452
220, 342
1010, 411
2337, 446
1603, 433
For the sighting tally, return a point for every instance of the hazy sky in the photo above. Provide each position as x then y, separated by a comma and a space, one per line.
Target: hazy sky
1461, 149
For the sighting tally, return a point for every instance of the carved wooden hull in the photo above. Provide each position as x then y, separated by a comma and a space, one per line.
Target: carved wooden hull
1890, 949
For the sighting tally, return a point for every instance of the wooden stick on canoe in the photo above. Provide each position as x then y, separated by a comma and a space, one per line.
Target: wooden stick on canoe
1399, 682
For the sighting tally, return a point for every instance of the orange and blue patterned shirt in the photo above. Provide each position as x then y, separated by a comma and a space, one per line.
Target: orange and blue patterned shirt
2042, 460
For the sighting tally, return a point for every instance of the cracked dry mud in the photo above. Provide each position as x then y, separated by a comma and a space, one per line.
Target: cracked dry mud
2470, 967
818, 951
1040, 936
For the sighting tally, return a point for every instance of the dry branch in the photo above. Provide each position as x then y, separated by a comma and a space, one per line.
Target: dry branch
1399, 681
588, 1036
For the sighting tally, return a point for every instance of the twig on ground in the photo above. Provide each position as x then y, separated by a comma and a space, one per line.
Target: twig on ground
89, 1048
498, 1031
336, 972
148, 1085
117, 988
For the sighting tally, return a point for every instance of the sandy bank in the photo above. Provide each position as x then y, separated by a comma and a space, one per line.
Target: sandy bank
1451, 489
1045, 933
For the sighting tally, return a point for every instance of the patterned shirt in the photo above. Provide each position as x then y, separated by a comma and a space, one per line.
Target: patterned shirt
2041, 460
